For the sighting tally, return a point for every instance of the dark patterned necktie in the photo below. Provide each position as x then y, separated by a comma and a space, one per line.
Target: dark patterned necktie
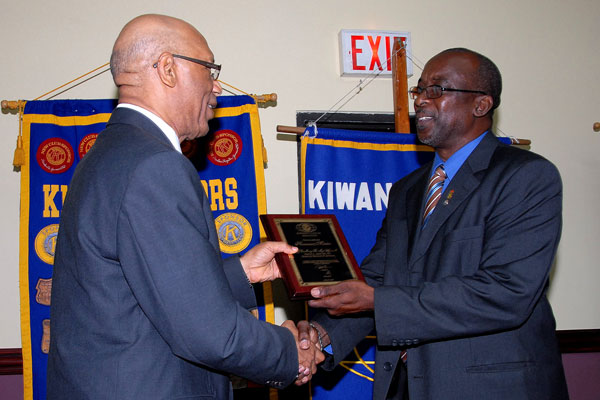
434, 191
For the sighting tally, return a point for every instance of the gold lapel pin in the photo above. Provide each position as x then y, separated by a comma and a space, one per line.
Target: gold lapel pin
450, 194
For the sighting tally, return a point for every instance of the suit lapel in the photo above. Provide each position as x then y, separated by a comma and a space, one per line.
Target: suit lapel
460, 189
414, 201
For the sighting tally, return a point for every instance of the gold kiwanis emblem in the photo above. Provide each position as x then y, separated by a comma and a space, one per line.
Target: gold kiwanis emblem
234, 231
44, 288
45, 243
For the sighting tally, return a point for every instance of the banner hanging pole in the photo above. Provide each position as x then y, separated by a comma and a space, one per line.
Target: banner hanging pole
400, 87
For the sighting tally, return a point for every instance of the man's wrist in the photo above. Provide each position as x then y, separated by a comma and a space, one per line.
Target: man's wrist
322, 335
318, 336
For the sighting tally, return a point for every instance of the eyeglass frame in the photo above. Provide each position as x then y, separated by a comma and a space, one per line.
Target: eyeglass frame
414, 91
215, 69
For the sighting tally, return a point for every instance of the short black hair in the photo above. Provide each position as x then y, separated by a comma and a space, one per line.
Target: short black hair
488, 75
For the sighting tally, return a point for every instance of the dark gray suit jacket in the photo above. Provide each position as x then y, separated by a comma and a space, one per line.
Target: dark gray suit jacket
466, 296
143, 306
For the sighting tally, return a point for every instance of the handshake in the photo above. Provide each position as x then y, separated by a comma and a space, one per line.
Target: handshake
309, 343
260, 266
347, 297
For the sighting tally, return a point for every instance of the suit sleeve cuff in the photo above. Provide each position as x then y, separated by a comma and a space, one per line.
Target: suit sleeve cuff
241, 287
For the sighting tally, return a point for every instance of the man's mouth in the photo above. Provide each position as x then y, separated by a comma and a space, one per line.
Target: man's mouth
423, 115
423, 121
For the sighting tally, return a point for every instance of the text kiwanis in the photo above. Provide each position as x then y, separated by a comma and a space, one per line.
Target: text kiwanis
352, 196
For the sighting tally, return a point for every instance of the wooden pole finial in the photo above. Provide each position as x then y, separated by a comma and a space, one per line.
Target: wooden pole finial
10, 104
264, 98
290, 129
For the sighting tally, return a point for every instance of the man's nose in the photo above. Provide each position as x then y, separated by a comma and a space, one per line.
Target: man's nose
421, 99
217, 89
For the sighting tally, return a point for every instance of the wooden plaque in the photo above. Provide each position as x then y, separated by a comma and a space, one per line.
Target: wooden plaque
323, 257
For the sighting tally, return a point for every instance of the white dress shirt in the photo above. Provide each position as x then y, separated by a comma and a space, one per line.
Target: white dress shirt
164, 127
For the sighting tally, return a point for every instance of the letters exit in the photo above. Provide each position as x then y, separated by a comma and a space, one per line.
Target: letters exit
366, 52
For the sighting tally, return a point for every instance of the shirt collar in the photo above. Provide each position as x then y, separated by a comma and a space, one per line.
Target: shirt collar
163, 126
456, 160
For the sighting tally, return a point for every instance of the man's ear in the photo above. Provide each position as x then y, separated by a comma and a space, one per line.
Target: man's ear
483, 105
165, 67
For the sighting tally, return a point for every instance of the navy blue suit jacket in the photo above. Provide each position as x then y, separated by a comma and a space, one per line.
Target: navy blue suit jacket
143, 306
466, 296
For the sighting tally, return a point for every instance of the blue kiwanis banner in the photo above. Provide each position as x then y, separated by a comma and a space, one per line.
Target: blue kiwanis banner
57, 134
349, 174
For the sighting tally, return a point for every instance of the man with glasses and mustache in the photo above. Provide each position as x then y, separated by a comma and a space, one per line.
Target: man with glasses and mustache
143, 306
457, 278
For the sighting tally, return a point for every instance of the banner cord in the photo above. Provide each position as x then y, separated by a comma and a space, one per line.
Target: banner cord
76, 79
108, 69
368, 79
233, 87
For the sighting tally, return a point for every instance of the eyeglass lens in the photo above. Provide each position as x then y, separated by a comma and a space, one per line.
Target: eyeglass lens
432, 92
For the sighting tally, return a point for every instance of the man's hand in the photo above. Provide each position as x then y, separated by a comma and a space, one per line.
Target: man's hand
344, 298
309, 355
259, 262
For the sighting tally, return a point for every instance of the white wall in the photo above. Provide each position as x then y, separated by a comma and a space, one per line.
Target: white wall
546, 50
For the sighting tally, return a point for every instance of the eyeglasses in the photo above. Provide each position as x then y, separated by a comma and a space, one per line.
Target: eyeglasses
435, 91
215, 69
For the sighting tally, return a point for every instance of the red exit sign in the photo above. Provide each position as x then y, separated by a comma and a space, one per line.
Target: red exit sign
367, 52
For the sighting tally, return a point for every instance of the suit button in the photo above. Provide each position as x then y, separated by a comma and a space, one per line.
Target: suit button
387, 366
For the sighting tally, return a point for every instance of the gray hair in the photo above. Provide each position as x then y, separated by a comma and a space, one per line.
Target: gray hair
141, 52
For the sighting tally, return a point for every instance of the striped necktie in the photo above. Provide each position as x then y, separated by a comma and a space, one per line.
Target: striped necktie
434, 191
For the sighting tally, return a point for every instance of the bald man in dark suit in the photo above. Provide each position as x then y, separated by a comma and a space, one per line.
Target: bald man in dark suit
143, 306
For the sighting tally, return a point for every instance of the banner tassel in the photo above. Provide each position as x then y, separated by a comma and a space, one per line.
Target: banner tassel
19, 157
